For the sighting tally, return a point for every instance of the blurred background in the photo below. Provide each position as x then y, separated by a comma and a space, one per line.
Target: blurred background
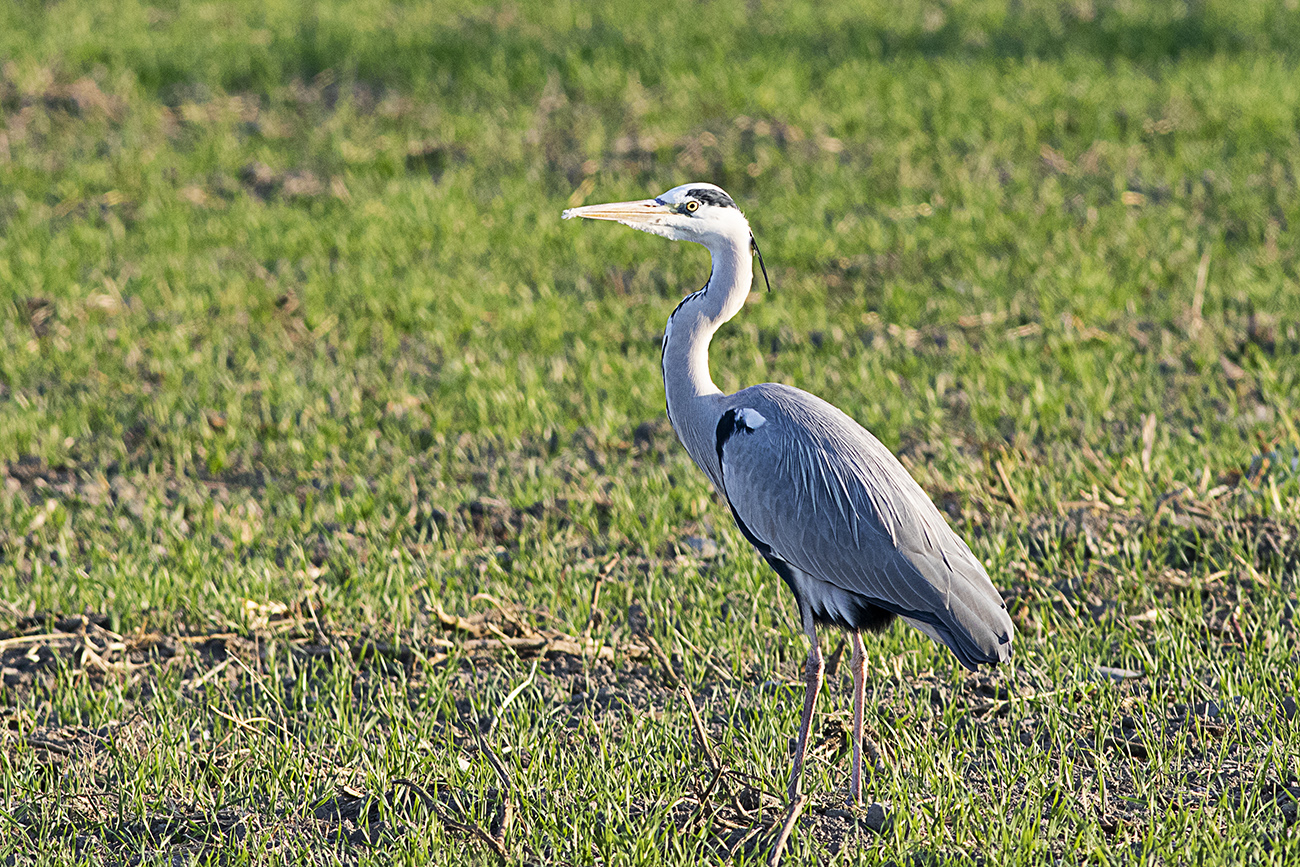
317, 242
308, 257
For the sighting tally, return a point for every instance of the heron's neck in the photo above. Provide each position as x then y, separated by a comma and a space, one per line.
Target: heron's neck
692, 396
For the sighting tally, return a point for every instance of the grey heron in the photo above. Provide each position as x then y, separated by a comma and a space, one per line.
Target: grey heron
831, 509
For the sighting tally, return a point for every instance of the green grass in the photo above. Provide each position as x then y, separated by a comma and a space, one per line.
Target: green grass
288, 319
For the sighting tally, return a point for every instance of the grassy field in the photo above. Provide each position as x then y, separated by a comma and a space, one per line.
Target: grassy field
340, 520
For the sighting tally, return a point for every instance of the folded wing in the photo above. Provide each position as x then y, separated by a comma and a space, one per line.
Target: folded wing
827, 498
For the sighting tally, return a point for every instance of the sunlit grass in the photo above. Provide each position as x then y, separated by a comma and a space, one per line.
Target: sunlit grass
284, 296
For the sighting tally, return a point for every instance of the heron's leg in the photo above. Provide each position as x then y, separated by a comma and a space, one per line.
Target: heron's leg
813, 672
858, 664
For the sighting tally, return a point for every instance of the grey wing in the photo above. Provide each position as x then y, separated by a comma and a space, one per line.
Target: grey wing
824, 496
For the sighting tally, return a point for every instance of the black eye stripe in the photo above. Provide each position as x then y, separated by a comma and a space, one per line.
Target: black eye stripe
706, 196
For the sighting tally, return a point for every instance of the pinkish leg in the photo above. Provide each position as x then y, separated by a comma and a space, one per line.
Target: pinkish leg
813, 673
858, 664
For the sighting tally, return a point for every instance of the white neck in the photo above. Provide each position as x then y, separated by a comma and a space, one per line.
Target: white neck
692, 396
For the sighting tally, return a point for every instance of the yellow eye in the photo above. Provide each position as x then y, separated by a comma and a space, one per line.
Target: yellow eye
692, 207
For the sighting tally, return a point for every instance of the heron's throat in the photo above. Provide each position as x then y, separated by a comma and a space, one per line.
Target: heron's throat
691, 395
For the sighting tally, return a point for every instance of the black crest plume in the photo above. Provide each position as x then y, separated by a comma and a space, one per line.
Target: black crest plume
754, 246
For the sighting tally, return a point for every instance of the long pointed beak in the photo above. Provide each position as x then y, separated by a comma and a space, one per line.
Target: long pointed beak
646, 212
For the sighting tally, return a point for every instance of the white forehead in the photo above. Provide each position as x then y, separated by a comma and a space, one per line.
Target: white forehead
677, 195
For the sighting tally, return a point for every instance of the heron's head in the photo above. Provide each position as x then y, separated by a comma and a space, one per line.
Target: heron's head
702, 213
698, 212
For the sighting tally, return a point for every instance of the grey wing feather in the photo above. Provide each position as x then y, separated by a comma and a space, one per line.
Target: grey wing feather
830, 500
